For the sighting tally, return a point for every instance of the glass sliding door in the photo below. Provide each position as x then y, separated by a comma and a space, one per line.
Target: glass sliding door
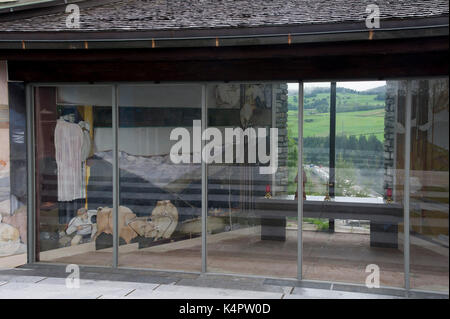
353, 224
251, 155
73, 182
160, 176
429, 184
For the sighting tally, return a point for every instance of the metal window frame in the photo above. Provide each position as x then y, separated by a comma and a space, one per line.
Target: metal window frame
116, 174
300, 100
204, 209
274, 125
30, 140
406, 187
394, 179
31, 193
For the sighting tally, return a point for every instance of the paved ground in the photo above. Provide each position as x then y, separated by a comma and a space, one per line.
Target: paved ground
49, 281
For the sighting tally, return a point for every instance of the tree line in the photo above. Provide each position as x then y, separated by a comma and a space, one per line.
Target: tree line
362, 152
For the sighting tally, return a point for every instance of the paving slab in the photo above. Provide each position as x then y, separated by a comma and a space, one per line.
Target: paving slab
126, 285
24, 279
59, 270
230, 282
364, 289
50, 288
48, 281
62, 292
153, 279
97, 273
130, 288
56, 288
33, 291
60, 281
297, 283
33, 272
184, 292
312, 293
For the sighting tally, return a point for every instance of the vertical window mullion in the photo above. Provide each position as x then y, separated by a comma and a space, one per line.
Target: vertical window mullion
204, 181
31, 209
115, 128
406, 184
300, 184
332, 150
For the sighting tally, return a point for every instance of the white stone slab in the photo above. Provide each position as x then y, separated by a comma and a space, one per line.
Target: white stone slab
312, 293
36, 291
122, 289
61, 281
185, 292
51, 288
15, 278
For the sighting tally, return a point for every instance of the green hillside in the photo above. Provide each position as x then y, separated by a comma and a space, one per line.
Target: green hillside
359, 139
358, 113
348, 123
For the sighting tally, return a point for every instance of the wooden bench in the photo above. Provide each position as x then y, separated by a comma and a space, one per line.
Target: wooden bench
384, 217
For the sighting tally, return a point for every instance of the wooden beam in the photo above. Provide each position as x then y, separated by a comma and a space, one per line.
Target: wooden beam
355, 48
307, 68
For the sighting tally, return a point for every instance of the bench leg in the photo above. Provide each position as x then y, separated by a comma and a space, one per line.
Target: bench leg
273, 229
383, 235
331, 225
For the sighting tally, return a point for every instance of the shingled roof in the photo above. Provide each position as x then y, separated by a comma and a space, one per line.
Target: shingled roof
146, 15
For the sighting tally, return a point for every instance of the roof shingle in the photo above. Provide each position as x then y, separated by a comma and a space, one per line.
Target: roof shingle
144, 15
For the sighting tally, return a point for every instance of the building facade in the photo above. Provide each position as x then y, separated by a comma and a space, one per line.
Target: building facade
265, 138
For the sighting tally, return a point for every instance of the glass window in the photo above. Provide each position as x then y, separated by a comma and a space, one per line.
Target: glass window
160, 176
353, 176
73, 179
13, 167
360, 134
429, 188
352, 222
251, 152
316, 149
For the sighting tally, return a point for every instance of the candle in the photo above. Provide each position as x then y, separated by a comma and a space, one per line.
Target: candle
389, 192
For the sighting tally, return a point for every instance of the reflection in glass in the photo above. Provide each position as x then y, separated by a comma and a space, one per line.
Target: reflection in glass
13, 167
160, 197
429, 190
252, 224
351, 124
352, 219
73, 185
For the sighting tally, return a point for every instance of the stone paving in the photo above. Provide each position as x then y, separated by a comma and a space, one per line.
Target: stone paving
49, 282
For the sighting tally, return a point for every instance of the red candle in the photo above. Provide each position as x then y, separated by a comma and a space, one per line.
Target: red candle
389, 192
